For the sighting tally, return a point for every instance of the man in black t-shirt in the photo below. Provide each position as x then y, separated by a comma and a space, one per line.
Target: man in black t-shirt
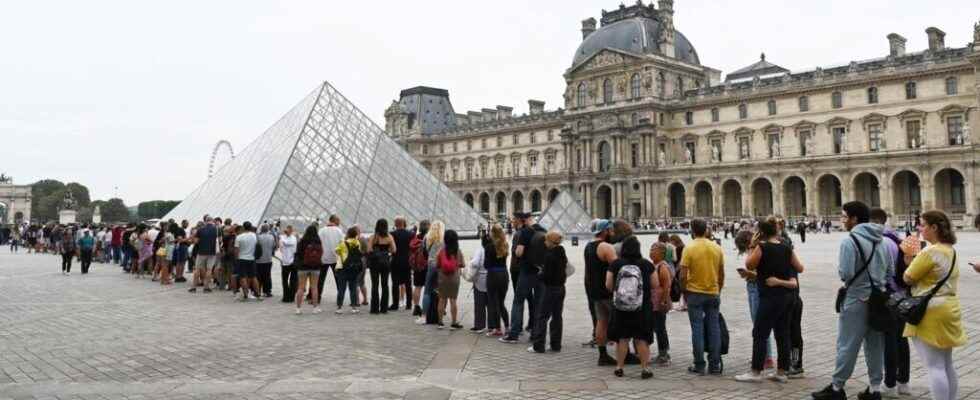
206, 245
401, 283
527, 275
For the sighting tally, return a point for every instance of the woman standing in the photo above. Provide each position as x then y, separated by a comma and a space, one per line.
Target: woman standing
450, 262
350, 263
775, 266
478, 275
380, 247
661, 300
934, 270
553, 277
627, 275
430, 299
309, 269
287, 249
495, 264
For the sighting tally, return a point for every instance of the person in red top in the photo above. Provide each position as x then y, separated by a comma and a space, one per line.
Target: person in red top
116, 242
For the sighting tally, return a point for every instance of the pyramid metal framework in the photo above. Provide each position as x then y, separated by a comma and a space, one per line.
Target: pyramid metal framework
326, 157
567, 216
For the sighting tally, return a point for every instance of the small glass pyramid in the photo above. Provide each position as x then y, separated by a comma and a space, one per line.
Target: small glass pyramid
567, 216
326, 157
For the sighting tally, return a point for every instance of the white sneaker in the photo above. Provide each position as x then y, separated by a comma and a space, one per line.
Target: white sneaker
749, 377
354, 310
890, 392
420, 321
339, 311
904, 390
67, 273
777, 377
299, 311
250, 297
317, 310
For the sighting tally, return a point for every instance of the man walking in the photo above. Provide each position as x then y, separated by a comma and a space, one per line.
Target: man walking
702, 276
862, 258
330, 238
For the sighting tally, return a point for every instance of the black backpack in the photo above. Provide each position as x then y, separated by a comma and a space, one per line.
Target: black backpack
880, 317
354, 258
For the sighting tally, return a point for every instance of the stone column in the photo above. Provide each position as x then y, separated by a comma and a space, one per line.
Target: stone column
811, 196
969, 188
747, 203
716, 198
777, 198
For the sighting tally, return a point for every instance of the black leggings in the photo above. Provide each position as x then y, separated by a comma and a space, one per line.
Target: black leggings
66, 262
86, 258
264, 271
379, 280
896, 356
772, 316
289, 279
497, 284
660, 330
796, 332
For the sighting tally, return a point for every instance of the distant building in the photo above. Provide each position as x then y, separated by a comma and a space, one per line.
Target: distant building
15, 202
647, 132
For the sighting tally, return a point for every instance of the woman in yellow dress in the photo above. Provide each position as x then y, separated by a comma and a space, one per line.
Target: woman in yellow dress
941, 329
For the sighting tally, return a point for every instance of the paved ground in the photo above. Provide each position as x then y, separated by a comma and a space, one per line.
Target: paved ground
108, 336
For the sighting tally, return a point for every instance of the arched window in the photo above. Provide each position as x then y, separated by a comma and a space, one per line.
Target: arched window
583, 92
605, 157
607, 91
872, 95
635, 86
661, 85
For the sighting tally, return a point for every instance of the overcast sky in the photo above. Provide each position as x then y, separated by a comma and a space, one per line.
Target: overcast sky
133, 95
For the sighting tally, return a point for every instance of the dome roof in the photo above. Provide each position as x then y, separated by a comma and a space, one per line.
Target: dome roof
636, 35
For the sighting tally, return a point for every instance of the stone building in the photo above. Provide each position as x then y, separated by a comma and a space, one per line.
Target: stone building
647, 132
15, 202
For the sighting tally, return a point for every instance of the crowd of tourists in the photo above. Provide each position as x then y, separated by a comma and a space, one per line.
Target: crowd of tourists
629, 292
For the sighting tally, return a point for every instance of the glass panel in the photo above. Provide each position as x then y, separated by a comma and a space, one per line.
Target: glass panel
566, 215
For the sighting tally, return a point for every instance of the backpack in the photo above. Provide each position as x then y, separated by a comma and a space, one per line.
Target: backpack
417, 257
447, 265
628, 295
258, 248
354, 257
312, 254
380, 259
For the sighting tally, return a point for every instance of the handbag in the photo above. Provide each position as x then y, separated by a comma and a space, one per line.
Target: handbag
842, 292
911, 309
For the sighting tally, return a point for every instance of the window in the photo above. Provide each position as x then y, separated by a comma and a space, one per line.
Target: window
578, 159
483, 143
582, 95
635, 119
500, 168
469, 171
500, 141
532, 162
838, 134
691, 152
771, 105
469, 145
455, 173
533, 138
634, 154
874, 137
679, 90
743, 148
954, 130
549, 163
442, 172
716, 150
951, 88
661, 85
607, 91
515, 166
689, 118
910, 91
872, 95
635, 86
804, 138
774, 151
425, 150
743, 111
515, 139
836, 100
715, 114
605, 157
661, 119
804, 104
442, 148
551, 135
484, 167
454, 147
913, 134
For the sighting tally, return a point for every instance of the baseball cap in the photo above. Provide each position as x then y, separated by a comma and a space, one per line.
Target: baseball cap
600, 225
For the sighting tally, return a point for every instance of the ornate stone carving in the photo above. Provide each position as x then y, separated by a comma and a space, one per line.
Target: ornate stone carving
6, 179
603, 59
976, 32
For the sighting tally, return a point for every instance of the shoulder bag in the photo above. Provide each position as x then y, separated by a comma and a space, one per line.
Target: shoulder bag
911, 309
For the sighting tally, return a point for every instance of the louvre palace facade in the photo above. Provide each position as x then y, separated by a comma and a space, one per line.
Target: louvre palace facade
648, 133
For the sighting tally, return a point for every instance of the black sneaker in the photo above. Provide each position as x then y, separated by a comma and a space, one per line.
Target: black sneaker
606, 361
618, 372
456, 325
828, 393
192, 290
508, 340
206, 290
795, 373
417, 311
394, 307
695, 370
408, 307
632, 359
646, 374
867, 394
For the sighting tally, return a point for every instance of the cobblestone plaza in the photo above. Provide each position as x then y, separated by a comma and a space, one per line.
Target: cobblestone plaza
107, 336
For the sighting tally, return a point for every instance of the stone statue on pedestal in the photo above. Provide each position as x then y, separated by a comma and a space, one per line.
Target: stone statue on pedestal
68, 203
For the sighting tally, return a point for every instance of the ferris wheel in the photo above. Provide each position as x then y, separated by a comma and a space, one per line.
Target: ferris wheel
222, 144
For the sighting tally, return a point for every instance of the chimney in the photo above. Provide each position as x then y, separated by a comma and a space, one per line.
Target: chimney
504, 112
896, 45
666, 38
535, 107
937, 38
588, 26
489, 114
475, 117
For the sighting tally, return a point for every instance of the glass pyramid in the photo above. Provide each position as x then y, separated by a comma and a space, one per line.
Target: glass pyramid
567, 216
326, 157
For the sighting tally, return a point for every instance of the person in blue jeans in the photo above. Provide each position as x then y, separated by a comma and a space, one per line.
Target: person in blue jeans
702, 276
430, 299
531, 252
350, 263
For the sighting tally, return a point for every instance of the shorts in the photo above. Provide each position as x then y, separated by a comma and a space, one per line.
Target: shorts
603, 309
180, 254
245, 268
306, 273
418, 278
207, 262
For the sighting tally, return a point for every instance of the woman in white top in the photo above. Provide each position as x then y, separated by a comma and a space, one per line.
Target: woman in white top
287, 249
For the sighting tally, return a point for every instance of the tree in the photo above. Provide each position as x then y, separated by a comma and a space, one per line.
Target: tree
155, 209
114, 210
47, 195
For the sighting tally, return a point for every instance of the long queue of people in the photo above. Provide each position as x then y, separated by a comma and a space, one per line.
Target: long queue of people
629, 293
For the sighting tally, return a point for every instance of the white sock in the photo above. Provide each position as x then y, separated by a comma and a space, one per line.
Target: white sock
875, 388
835, 387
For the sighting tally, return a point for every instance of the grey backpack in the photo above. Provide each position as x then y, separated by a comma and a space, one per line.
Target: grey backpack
628, 295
